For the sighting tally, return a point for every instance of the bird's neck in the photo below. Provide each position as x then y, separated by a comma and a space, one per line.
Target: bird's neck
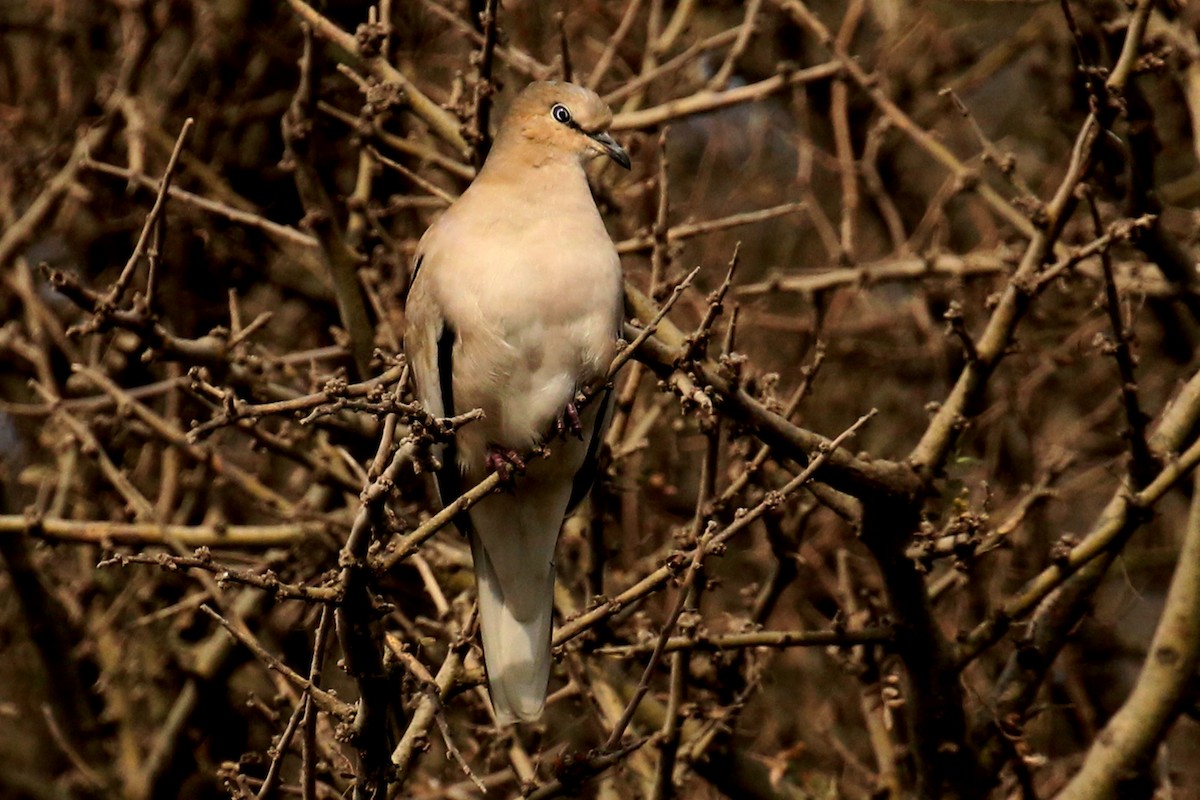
536, 171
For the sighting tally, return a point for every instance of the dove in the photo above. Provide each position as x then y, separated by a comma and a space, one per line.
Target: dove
515, 305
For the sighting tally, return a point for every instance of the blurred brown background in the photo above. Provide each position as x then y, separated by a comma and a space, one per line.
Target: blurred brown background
877, 228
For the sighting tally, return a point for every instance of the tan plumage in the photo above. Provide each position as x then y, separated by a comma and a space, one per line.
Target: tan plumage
516, 304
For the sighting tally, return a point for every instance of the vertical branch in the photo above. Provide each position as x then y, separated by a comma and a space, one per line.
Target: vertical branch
152, 219
934, 700
321, 217
355, 616
664, 781
308, 744
171, 463
659, 261
660, 256
873, 182
480, 135
840, 113
870, 689
672, 728
655, 44
356, 223
1143, 464
614, 739
564, 48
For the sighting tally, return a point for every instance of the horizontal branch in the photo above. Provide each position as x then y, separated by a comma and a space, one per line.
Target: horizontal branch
331, 393
106, 532
268, 581
950, 266
706, 101
842, 470
687, 230
736, 641
283, 233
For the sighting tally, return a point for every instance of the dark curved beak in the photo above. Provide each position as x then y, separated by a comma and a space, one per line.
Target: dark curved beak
614, 150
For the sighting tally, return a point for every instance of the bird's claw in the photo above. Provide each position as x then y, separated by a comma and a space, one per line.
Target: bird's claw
568, 422
505, 461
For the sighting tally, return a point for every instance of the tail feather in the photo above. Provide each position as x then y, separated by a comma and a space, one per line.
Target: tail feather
513, 536
512, 545
516, 651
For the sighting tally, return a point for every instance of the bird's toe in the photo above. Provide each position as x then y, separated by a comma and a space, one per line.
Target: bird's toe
568, 422
505, 461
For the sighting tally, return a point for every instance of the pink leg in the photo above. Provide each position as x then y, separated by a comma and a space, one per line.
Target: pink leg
568, 422
505, 461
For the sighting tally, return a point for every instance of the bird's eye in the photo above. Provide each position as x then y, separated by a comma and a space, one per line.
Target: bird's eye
561, 114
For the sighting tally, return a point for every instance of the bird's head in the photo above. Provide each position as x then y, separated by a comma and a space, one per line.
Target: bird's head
559, 118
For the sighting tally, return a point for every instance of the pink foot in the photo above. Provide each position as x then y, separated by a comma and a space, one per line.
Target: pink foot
568, 422
505, 461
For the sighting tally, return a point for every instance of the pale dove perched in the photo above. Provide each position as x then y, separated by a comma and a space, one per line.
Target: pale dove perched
515, 305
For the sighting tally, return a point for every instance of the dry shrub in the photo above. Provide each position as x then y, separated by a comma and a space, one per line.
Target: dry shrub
889, 510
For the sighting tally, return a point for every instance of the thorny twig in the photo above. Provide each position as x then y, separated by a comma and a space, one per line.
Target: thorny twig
337, 530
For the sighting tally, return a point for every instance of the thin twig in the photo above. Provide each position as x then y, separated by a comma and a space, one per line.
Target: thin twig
152, 218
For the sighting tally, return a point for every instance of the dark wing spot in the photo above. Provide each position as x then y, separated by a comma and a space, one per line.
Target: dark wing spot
586, 475
445, 365
412, 278
449, 478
